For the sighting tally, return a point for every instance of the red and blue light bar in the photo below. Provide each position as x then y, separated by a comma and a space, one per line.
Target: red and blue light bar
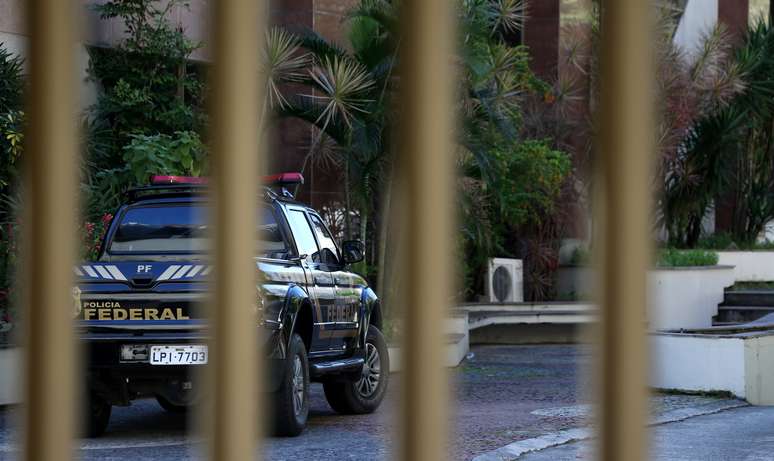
158, 180
281, 179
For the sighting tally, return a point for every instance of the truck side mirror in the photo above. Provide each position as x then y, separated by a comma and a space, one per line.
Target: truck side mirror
354, 251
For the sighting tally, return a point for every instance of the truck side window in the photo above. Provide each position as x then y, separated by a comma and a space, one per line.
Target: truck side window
303, 235
328, 250
269, 239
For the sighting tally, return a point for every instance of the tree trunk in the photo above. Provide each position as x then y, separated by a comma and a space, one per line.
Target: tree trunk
347, 204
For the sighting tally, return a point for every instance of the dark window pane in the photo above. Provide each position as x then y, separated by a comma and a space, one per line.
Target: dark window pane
184, 228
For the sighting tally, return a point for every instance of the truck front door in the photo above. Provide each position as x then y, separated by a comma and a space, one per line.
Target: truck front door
320, 282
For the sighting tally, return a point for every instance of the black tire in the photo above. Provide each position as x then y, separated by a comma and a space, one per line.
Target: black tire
291, 401
170, 407
365, 393
98, 413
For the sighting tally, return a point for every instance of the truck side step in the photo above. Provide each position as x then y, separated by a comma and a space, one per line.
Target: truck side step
336, 366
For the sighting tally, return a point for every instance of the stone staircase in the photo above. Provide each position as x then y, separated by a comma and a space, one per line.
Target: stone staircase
744, 305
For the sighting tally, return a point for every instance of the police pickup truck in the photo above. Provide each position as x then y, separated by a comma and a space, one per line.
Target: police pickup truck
138, 307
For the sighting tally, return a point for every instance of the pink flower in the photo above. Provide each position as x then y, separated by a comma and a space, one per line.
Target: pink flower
106, 218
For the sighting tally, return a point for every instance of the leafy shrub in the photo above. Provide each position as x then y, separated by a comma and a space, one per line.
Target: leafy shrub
725, 241
671, 257
719, 241
92, 233
581, 256
150, 103
182, 153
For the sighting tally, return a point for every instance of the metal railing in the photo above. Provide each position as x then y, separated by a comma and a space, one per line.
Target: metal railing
425, 159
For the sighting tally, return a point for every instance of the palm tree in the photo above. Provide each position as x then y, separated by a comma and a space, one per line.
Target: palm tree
348, 101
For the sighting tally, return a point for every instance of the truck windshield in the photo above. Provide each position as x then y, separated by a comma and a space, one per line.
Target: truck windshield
183, 229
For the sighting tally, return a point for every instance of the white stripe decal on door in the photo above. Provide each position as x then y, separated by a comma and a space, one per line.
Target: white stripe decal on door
90, 271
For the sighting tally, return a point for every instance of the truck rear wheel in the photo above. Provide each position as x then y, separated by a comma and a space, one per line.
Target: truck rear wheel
98, 413
365, 393
291, 401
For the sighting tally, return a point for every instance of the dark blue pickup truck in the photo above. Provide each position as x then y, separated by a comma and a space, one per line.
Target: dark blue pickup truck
140, 315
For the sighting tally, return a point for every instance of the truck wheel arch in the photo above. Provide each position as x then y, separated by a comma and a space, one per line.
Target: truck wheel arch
303, 323
298, 316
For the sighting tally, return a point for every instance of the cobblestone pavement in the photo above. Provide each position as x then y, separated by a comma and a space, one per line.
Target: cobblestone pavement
501, 394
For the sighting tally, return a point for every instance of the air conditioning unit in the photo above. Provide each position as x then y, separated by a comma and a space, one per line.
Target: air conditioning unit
505, 280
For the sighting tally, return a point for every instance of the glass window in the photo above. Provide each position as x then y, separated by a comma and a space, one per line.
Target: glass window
269, 240
184, 228
161, 229
328, 250
303, 234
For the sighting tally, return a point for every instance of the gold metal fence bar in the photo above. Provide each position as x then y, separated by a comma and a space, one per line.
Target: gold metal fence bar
626, 152
234, 367
426, 158
50, 229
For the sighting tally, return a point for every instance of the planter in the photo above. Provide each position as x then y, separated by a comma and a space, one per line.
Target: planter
686, 297
749, 266
714, 360
678, 297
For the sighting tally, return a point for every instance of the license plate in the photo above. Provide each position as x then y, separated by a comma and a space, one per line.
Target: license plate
178, 355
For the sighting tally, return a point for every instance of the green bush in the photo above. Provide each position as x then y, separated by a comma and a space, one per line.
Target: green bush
149, 112
581, 256
725, 241
671, 257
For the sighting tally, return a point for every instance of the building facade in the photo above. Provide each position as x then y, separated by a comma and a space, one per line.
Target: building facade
291, 139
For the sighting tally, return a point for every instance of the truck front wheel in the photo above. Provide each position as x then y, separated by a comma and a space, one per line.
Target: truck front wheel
98, 413
291, 401
365, 393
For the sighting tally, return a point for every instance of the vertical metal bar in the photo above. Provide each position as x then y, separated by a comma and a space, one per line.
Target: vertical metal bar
626, 150
234, 369
426, 159
50, 229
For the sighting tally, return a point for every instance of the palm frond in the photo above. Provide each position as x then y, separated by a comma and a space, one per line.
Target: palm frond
320, 48
506, 15
282, 62
343, 85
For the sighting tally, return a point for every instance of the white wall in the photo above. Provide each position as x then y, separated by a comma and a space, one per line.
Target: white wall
686, 297
759, 374
10, 368
697, 363
700, 16
749, 266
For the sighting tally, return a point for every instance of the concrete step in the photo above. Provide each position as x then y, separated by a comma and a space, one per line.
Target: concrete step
740, 314
748, 298
526, 307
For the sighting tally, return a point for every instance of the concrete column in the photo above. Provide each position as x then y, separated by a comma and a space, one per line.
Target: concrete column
734, 14
541, 35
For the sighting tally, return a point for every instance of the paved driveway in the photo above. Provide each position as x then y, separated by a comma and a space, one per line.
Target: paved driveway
494, 392
502, 394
